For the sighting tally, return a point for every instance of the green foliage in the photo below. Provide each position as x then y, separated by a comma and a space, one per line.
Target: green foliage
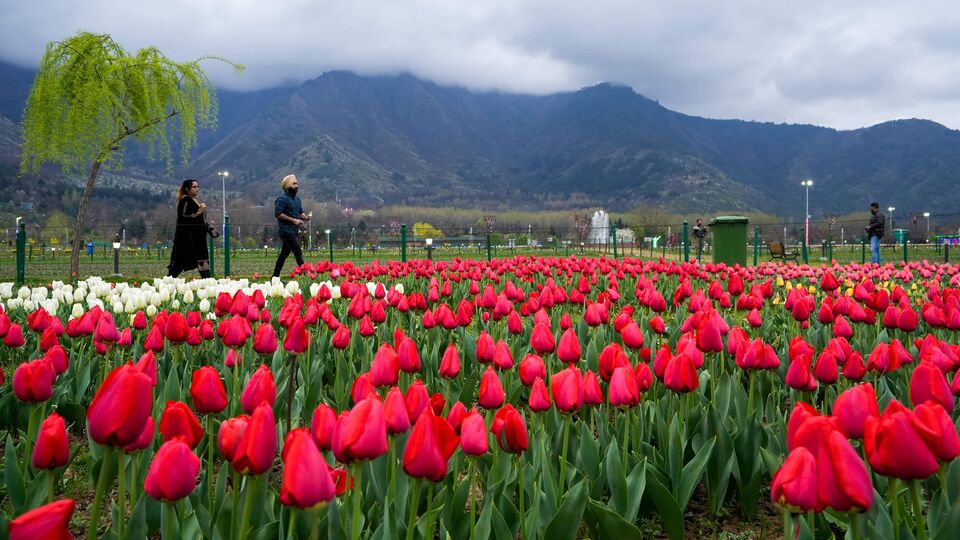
90, 95
426, 230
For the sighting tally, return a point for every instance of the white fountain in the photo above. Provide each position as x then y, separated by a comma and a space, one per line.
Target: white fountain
599, 228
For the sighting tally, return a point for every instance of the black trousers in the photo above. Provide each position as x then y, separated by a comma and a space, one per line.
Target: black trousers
204, 268
291, 244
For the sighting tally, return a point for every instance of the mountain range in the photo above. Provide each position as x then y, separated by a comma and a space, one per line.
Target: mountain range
380, 140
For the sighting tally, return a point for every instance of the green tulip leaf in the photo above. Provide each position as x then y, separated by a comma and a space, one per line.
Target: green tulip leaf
610, 524
566, 522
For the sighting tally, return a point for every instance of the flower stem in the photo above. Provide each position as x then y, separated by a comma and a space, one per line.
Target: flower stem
357, 492
290, 381
472, 496
121, 493
29, 438
563, 453
210, 445
98, 495
523, 514
248, 506
788, 526
414, 503
314, 524
918, 520
50, 486
895, 503
291, 525
168, 517
855, 526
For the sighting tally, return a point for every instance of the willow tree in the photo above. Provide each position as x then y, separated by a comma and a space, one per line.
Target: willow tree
91, 98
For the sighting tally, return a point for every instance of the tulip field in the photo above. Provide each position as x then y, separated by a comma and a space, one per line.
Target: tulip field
532, 397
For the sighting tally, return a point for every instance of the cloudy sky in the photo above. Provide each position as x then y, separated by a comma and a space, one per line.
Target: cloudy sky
840, 64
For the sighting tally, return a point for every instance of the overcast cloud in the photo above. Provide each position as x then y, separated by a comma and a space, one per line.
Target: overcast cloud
839, 64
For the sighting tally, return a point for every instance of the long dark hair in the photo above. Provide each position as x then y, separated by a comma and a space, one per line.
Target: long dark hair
185, 187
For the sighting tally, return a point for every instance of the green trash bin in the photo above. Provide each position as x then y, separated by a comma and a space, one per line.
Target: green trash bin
729, 239
899, 236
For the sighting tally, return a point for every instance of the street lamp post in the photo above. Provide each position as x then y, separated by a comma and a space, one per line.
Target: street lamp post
329, 245
310, 232
223, 194
891, 209
806, 222
927, 215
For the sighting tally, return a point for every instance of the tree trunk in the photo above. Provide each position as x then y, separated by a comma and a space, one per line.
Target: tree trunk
78, 224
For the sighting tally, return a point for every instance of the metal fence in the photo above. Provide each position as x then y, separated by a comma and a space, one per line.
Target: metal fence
255, 242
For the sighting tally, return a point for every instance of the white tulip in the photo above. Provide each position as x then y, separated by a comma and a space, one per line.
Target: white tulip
29, 306
13, 303
188, 296
399, 287
371, 287
314, 287
23, 293
117, 307
204, 305
151, 310
77, 311
335, 292
175, 305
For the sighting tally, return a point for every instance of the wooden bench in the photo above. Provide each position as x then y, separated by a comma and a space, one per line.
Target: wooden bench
777, 251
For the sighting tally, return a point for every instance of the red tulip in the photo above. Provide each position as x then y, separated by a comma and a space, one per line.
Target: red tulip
541, 339
207, 392
898, 444
58, 359
33, 380
623, 390
297, 339
395, 412
408, 357
681, 374
473, 435
644, 377
754, 320
322, 424
176, 328
569, 349
265, 340
307, 483
490, 395
795, 484
539, 399
826, 370
154, 340
261, 388
937, 419
385, 368
853, 407
799, 375
854, 369
178, 421
361, 433
145, 438
531, 367
510, 430
450, 364
14, 337
341, 337
757, 355
502, 357
456, 415
843, 480
656, 324
429, 447
257, 446
590, 391
631, 335
565, 389
50, 521
362, 387
228, 438
121, 407
173, 472
53, 448
929, 384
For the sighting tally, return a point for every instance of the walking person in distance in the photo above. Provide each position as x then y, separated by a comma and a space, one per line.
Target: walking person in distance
699, 232
290, 216
190, 238
875, 231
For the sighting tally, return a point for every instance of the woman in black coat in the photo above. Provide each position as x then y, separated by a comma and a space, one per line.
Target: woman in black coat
190, 239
